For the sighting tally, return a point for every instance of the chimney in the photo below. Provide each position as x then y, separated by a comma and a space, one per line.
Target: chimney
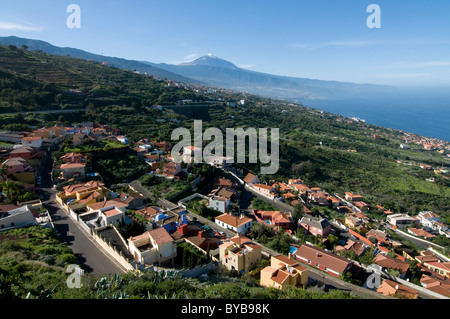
201, 234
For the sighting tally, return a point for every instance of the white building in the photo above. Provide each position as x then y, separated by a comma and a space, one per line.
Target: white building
102, 217
123, 139
32, 141
239, 224
427, 218
400, 220
16, 218
153, 247
219, 203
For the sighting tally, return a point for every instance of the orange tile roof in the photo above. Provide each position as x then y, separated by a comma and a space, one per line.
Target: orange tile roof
240, 240
72, 165
249, 178
103, 204
112, 212
234, 221
160, 236
263, 186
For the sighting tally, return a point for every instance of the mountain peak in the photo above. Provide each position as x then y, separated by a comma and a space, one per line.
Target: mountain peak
211, 60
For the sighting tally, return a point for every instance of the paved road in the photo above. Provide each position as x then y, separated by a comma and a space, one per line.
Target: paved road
91, 258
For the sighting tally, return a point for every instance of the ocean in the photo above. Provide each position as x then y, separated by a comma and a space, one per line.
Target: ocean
423, 113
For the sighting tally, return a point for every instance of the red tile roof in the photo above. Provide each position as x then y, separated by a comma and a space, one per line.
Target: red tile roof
160, 236
234, 221
323, 258
103, 204
391, 263
249, 178
263, 186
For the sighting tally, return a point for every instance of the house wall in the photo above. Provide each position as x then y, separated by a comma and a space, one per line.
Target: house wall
244, 228
36, 144
69, 172
265, 279
126, 264
113, 220
16, 220
218, 205
241, 263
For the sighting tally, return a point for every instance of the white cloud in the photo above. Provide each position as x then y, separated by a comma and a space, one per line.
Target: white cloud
191, 57
186, 59
246, 66
9, 26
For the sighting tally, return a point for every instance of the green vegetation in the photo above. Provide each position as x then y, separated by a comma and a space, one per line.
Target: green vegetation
279, 241
34, 80
14, 192
262, 205
32, 257
33, 265
189, 257
119, 166
324, 149
161, 187
198, 206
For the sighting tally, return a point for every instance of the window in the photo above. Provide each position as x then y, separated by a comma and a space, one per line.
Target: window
13, 224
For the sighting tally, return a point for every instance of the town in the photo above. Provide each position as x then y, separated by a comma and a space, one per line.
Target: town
280, 233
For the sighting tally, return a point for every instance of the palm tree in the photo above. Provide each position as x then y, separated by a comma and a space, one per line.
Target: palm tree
3, 170
12, 190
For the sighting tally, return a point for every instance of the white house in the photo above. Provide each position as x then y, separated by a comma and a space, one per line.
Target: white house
19, 217
400, 220
111, 215
427, 218
35, 141
219, 203
123, 139
153, 247
239, 224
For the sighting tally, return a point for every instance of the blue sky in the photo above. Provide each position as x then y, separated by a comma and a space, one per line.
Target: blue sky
321, 39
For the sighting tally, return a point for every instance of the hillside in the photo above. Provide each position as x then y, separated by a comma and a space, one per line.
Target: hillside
37, 45
34, 80
213, 71
326, 150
